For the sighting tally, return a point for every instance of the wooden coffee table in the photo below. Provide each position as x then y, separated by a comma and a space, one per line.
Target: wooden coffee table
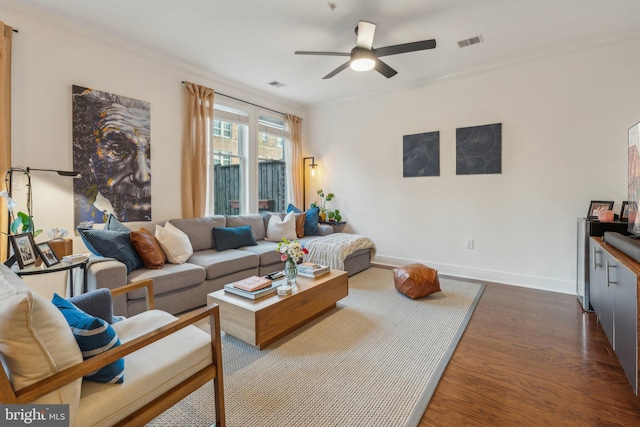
263, 321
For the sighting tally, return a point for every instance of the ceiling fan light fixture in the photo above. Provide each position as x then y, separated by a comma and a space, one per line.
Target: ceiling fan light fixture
364, 64
362, 59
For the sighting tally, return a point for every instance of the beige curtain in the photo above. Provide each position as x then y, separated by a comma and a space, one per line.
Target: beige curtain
6, 34
294, 173
197, 134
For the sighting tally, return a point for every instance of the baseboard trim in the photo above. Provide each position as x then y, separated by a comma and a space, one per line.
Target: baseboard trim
501, 277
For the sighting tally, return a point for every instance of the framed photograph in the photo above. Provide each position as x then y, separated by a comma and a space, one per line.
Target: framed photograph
24, 249
624, 211
47, 254
598, 205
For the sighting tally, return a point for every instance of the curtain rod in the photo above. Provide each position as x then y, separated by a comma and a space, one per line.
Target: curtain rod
246, 102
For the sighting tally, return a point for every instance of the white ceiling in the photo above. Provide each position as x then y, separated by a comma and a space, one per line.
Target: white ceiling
252, 41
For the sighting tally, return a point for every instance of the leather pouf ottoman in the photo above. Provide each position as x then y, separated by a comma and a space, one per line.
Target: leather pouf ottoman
416, 280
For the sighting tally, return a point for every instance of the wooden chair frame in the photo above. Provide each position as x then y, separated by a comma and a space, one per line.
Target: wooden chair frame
151, 410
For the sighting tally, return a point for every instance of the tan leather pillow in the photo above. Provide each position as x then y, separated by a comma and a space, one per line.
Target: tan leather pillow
148, 248
300, 219
416, 280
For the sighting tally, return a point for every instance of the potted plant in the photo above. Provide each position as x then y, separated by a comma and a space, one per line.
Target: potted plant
323, 205
20, 222
334, 216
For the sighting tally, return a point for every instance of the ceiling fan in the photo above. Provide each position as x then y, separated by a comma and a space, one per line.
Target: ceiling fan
364, 57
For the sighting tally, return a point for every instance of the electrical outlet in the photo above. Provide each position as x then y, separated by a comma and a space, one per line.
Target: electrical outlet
468, 243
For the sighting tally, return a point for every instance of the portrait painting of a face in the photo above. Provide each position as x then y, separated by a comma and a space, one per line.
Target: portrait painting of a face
112, 151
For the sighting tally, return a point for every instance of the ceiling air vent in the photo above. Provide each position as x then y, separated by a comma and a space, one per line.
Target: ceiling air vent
469, 42
277, 84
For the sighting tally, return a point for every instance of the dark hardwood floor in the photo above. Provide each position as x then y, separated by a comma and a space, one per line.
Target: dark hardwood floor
532, 358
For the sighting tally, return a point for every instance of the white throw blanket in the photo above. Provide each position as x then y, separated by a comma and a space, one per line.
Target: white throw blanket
331, 250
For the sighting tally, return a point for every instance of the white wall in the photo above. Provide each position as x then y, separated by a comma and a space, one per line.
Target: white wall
47, 60
564, 143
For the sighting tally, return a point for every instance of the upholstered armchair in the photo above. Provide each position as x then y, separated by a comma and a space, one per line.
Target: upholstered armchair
165, 358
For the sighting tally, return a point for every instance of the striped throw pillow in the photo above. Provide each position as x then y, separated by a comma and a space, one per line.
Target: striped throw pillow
94, 336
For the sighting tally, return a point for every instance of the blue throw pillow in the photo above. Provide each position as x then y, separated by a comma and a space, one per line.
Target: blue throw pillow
233, 237
113, 244
114, 225
310, 221
94, 336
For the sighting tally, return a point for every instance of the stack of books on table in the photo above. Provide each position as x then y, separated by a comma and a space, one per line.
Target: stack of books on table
309, 269
253, 287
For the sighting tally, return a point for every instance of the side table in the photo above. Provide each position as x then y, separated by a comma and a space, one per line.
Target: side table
61, 266
337, 226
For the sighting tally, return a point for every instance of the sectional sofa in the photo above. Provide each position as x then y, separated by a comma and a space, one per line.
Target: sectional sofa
182, 287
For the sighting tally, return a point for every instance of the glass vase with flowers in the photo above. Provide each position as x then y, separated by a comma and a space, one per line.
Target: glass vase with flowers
291, 253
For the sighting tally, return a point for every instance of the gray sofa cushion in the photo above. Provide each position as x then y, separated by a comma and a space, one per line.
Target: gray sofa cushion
169, 278
254, 220
200, 230
218, 264
266, 251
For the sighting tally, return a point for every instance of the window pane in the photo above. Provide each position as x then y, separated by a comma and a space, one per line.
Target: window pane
272, 181
227, 160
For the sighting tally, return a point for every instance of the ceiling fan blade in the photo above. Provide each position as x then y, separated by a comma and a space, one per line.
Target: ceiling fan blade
306, 52
384, 69
337, 70
405, 47
365, 32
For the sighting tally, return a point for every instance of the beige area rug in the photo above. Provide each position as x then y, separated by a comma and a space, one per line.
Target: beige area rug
375, 360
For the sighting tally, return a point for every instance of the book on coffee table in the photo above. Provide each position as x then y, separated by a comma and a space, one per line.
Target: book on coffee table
270, 290
313, 270
252, 283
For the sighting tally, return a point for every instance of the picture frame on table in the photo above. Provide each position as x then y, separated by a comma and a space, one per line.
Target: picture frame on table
598, 205
624, 211
46, 253
24, 249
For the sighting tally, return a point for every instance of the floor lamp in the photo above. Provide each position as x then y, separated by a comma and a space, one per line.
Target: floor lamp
304, 177
9, 183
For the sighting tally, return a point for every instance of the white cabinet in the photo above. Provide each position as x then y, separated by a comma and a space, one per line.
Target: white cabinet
614, 297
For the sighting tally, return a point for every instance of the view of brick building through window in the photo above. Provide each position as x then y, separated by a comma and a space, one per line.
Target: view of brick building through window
225, 143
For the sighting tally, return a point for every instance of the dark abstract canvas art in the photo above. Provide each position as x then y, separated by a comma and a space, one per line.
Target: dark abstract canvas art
479, 150
421, 154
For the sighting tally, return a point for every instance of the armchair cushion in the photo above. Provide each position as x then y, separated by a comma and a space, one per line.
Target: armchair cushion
151, 371
94, 336
35, 341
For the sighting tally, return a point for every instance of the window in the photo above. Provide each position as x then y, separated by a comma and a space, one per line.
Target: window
222, 129
222, 158
247, 168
